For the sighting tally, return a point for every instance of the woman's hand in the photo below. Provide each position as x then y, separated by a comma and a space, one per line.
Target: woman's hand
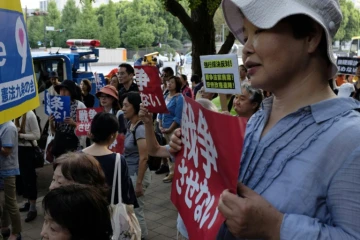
139, 190
70, 121
51, 118
175, 142
249, 215
144, 115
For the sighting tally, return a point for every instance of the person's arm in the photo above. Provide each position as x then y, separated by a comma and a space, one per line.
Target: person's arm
52, 124
127, 188
223, 102
178, 114
34, 133
343, 203
143, 157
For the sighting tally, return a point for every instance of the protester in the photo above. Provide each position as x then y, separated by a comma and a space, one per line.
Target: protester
166, 73
103, 133
9, 169
185, 89
196, 84
340, 79
136, 154
65, 139
248, 102
76, 212
295, 139
168, 122
115, 82
126, 75
28, 132
156, 150
109, 100
243, 74
54, 79
346, 90
88, 99
206, 95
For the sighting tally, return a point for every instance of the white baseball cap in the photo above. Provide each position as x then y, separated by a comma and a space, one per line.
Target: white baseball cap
266, 14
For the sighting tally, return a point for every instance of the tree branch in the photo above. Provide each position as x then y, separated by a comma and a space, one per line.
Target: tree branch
227, 45
175, 8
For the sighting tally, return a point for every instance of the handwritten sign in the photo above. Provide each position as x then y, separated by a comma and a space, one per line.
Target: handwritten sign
221, 74
18, 87
99, 81
347, 65
205, 167
84, 118
118, 145
149, 83
58, 106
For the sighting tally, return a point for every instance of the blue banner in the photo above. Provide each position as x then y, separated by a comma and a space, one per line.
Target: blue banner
18, 91
58, 106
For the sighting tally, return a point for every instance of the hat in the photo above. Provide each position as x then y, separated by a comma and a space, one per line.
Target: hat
346, 89
266, 14
53, 75
69, 85
109, 90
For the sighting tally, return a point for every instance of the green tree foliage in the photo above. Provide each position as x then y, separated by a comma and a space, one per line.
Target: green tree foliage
35, 26
110, 32
53, 20
69, 18
87, 26
350, 25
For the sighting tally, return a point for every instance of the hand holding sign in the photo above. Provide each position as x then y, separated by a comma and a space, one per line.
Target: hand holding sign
149, 83
57, 106
250, 215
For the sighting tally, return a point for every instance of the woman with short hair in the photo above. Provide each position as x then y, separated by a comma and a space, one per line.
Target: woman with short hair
87, 97
76, 212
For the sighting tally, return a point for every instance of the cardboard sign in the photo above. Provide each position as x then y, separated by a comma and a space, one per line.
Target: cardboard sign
118, 145
221, 73
206, 165
84, 118
347, 65
18, 88
149, 83
58, 106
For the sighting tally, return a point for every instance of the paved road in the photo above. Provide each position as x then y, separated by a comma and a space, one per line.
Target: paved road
160, 213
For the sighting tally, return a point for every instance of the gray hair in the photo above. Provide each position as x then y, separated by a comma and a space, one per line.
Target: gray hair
256, 95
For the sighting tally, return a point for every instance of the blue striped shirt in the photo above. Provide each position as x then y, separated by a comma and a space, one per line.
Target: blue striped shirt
308, 167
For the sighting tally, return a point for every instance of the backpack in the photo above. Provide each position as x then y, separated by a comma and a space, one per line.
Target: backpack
153, 162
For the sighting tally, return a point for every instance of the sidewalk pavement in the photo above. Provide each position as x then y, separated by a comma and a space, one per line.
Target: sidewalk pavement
160, 213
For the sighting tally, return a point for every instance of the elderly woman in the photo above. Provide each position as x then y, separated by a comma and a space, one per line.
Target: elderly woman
248, 102
298, 180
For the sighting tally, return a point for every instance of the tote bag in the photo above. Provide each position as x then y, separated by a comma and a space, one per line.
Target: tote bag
123, 220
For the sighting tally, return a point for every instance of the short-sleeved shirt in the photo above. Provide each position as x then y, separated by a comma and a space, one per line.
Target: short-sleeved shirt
133, 88
131, 154
9, 166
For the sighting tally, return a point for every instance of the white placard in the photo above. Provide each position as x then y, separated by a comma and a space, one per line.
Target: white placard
221, 73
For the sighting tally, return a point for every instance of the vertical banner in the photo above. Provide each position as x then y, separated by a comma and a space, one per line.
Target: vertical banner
84, 118
149, 83
118, 145
205, 167
18, 89
221, 73
58, 106
99, 81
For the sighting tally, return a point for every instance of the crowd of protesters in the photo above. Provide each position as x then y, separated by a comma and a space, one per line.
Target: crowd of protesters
298, 179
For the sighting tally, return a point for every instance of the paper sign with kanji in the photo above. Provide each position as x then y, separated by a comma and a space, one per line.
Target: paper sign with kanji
221, 73
118, 145
149, 83
84, 118
58, 106
208, 164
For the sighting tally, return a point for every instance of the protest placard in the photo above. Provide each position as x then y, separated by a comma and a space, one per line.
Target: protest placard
347, 65
221, 73
99, 81
205, 167
58, 106
18, 87
149, 83
118, 145
84, 118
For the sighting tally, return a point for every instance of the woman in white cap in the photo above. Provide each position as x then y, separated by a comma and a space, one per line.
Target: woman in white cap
298, 179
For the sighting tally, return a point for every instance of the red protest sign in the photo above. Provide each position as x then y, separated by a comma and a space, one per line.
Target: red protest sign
206, 165
149, 83
84, 117
118, 145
